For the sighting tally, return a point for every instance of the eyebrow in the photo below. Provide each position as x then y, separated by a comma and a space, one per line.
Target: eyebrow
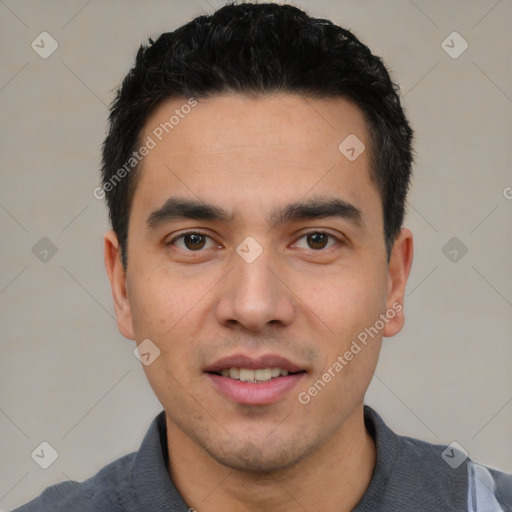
181, 208
317, 208
176, 208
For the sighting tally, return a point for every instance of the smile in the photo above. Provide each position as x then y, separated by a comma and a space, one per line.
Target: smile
247, 380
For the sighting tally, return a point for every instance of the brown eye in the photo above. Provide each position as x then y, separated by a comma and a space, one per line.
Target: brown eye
194, 241
317, 240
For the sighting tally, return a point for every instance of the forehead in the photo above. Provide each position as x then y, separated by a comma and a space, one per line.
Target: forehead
225, 121
267, 150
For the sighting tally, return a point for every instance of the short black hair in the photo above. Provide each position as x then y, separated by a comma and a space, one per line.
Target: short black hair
256, 49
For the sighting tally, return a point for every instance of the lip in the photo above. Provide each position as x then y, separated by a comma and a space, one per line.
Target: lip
254, 363
255, 393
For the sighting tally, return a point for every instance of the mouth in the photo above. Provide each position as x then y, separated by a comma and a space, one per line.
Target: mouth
261, 381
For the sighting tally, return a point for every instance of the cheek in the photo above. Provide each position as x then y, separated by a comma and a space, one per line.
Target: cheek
158, 300
168, 311
162, 314
349, 301
151, 305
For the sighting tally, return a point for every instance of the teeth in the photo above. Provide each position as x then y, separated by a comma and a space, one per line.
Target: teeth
234, 373
248, 375
263, 374
275, 372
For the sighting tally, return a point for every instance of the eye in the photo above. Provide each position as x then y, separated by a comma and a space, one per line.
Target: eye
193, 241
317, 240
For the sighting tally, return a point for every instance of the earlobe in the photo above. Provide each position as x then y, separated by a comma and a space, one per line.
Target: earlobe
399, 268
117, 277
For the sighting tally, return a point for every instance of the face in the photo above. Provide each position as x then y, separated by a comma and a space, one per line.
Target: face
256, 258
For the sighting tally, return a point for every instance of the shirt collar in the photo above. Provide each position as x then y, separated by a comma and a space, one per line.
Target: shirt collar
152, 482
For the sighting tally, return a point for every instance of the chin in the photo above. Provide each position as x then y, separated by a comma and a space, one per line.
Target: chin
260, 457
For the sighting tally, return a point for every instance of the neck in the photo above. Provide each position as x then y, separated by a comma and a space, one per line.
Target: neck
333, 478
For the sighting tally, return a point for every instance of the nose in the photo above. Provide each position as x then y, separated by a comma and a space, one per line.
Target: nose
254, 294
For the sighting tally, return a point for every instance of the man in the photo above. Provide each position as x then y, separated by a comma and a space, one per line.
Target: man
256, 171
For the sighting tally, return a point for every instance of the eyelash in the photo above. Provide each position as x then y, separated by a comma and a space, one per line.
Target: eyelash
314, 232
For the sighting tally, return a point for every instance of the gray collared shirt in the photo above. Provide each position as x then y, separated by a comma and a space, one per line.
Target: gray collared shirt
410, 475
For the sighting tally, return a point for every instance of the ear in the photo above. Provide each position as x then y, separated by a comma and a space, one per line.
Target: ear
399, 267
117, 276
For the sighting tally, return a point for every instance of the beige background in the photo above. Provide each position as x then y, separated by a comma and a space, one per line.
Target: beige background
67, 375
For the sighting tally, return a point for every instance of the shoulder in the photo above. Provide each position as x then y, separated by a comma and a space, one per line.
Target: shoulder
433, 471
138, 481
105, 491
417, 463
419, 475
487, 489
